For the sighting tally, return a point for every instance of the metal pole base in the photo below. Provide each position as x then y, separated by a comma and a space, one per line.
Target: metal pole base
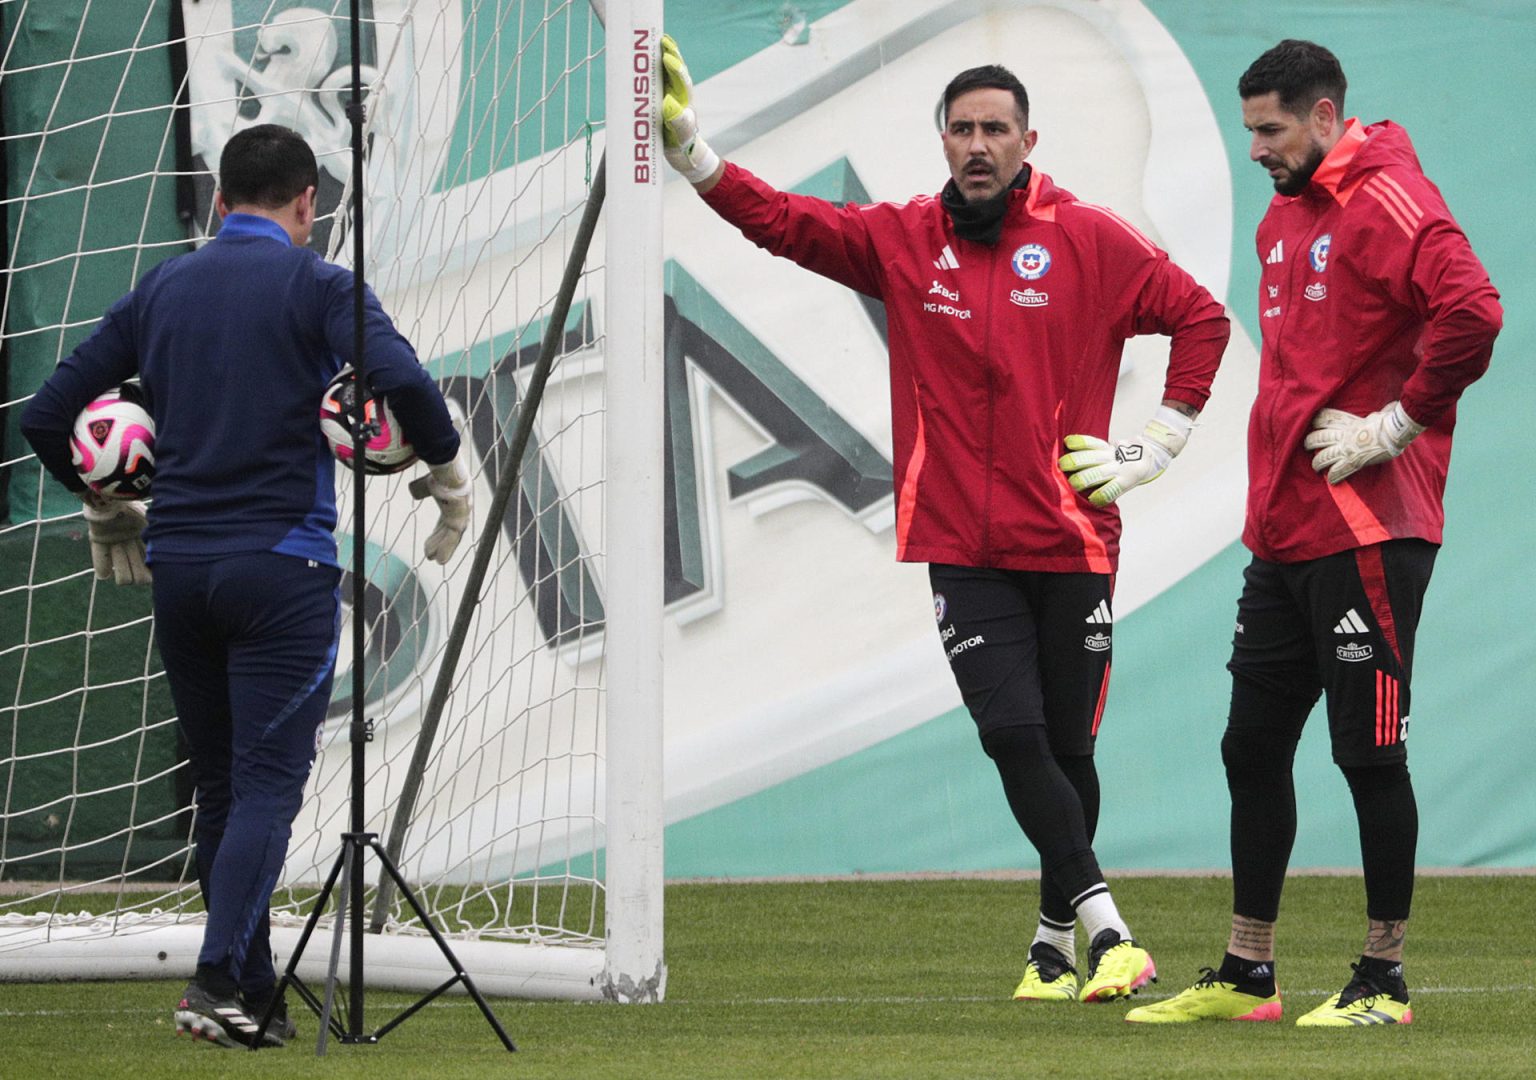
347, 870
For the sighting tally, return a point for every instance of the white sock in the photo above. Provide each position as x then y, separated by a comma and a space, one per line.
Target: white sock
1097, 910
1061, 938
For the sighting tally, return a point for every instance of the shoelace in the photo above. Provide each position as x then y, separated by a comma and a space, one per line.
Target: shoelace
1208, 977
1050, 970
1362, 988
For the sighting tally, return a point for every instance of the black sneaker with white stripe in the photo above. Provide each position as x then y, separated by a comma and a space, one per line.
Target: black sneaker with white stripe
282, 1030
217, 1019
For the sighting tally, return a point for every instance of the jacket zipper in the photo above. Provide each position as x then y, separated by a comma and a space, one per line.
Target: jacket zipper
986, 358
1283, 368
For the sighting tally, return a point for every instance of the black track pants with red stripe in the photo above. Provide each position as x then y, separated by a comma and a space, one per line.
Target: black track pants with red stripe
1344, 626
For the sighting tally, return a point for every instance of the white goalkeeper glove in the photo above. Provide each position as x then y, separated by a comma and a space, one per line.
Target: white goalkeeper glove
685, 149
116, 529
449, 487
1346, 443
1105, 471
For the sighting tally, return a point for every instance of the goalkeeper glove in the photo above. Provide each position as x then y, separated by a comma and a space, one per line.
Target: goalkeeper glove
684, 147
116, 529
449, 487
1346, 443
1106, 471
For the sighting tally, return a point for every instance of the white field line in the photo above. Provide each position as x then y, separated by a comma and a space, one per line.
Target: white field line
829, 1000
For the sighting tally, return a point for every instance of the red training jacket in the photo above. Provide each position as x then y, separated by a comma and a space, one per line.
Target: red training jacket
1370, 293
997, 353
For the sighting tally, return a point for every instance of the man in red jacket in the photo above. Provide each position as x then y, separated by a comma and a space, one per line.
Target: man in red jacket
1008, 303
1375, 316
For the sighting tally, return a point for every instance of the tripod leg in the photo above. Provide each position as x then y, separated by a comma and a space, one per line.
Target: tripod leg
442, 945
348, 853
290, 976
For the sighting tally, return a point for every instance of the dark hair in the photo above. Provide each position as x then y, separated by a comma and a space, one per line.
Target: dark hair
267, 166
987, 77
1301, 72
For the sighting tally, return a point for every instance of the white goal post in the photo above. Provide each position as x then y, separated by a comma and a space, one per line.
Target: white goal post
536, 840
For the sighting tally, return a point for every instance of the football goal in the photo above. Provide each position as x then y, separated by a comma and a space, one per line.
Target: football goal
523, 799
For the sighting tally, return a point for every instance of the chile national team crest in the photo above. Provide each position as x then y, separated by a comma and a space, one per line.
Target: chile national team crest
1031, 262
939, 606
1318, 252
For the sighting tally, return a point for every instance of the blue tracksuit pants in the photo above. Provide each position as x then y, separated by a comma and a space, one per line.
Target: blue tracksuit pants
249, 647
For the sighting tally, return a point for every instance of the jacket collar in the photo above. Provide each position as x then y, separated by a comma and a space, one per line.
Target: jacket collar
983, 221
240, 225
1330, 173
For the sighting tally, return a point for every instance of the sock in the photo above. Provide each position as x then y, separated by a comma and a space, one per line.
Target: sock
216, 980
1097, 910
1387, 974
1061, 938
1255, 977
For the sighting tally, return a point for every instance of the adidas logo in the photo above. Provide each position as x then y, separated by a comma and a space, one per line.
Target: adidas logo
946, 260
1276, 253
1351, 623
1100, 614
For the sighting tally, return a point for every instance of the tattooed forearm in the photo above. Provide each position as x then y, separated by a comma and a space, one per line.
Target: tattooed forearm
1252, 939
1385, 937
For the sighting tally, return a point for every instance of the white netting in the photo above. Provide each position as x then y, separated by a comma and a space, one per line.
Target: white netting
480, 156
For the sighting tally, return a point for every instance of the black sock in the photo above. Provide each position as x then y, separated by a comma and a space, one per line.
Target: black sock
216, 980
1255, 977
1386, 974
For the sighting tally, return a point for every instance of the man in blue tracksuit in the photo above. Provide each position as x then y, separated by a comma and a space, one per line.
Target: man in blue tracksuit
234, 344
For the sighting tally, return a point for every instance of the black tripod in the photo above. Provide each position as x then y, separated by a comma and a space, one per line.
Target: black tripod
348, 868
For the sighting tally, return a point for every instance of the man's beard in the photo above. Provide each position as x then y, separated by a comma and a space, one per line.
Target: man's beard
1299, 178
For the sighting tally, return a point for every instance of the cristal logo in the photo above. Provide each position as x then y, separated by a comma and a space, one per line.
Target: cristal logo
948, 294
1096, 642
1353, 653
1029, 298
1031, 262
1316, 291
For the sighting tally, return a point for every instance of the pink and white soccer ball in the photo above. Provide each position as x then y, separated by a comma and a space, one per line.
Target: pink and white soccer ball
387, 451
113, 444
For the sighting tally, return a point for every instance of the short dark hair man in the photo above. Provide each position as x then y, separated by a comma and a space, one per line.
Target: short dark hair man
1375, 316
1009, 303
235, 343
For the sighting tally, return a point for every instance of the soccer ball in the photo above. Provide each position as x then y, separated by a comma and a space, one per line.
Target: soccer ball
113, 444
385, 452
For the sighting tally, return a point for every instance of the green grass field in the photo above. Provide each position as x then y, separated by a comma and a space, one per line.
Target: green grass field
890, 979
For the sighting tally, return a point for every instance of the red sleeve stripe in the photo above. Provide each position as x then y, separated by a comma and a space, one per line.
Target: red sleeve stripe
1401, 194
1136, 233
907, 504
1405, 218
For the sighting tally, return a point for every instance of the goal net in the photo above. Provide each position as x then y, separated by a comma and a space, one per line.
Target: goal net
528, 819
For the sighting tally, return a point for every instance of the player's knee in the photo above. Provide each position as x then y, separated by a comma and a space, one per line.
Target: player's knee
1016, 743
1256, 755
1374, 779
1271, 700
